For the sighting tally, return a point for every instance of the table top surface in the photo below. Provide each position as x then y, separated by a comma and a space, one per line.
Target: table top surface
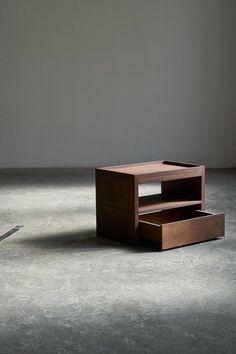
149, 167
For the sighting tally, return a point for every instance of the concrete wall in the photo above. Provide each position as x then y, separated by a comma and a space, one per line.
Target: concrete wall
93, 82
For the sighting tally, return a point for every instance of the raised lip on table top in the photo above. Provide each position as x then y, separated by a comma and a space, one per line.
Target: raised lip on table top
113, 168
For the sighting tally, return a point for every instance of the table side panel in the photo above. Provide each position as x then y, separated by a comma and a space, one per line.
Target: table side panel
116, 224
116, 206
115, 189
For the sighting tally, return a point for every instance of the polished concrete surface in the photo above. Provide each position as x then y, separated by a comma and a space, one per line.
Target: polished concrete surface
62, 290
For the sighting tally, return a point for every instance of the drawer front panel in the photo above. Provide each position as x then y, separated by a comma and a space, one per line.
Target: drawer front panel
150, 231
183, 232
192, 231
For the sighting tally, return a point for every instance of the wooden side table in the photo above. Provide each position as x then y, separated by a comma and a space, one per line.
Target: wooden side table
173, 218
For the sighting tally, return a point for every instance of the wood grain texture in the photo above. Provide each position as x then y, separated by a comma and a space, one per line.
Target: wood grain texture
124, 216
156, 171
116, 224
149, 167
115, 190
173, 230
116, 206
151, 232
192, 231
157, 202
170, 175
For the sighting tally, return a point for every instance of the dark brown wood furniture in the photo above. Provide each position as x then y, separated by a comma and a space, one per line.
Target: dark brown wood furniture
173, 218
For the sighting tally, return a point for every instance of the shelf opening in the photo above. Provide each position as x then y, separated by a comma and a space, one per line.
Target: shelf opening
149, 189
169, 194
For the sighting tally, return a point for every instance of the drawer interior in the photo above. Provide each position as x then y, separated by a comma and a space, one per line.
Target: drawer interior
179, 227
174, 215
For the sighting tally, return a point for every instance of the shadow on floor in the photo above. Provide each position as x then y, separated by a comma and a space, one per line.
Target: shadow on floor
85, 240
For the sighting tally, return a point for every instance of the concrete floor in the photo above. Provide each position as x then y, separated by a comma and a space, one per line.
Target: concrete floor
62, 290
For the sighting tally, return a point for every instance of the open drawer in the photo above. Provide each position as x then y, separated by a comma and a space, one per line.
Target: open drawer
179, 227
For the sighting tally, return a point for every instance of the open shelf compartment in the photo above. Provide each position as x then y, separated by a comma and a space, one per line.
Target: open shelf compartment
174, 194
158, 202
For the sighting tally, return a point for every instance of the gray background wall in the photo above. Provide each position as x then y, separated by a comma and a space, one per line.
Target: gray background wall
88, 83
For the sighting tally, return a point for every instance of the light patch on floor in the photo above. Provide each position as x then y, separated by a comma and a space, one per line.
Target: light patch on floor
63, 290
